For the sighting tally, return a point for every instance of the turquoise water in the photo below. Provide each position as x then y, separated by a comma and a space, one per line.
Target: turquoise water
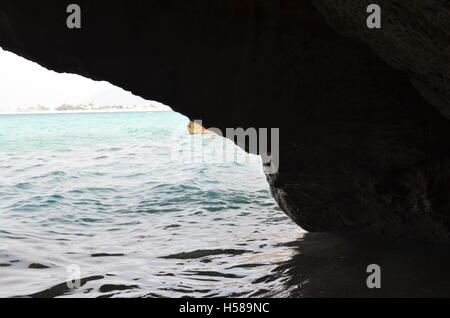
134, 206
121, 195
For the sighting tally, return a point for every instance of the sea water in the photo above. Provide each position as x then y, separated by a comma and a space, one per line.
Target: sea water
132, 205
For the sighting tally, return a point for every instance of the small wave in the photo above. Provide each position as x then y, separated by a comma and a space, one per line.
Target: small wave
247, 266
130, 176
112, 149
50, 174
106, 255
38, 266
99, 189
107, 288
202, 253
23, 186
61, 289
213, 274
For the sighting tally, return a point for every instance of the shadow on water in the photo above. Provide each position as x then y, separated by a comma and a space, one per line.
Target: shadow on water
334, 265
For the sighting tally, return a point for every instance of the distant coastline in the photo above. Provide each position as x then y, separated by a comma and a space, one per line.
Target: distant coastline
70, 109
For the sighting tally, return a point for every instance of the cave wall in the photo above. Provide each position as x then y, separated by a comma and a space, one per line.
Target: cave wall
414, 38
363, 114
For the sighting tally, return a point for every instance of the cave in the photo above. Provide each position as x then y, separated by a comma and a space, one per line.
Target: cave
362, 113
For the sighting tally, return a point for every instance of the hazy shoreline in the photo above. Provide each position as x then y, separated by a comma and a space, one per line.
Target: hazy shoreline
84, 111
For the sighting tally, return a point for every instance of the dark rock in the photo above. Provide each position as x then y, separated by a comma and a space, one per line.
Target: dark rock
363, 114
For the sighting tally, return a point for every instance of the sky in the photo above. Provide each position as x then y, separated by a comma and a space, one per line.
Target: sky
26, 84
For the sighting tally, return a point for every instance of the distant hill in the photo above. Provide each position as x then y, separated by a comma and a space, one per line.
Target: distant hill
88, 108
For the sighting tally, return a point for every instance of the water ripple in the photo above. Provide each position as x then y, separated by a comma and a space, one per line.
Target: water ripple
105, 193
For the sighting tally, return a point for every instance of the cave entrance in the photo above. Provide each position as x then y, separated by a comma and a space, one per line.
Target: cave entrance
95, 179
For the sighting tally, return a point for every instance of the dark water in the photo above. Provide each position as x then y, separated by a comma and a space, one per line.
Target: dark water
142, 209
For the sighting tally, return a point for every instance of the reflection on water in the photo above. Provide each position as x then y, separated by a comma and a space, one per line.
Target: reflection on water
313, 265
100, 192
334, 265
